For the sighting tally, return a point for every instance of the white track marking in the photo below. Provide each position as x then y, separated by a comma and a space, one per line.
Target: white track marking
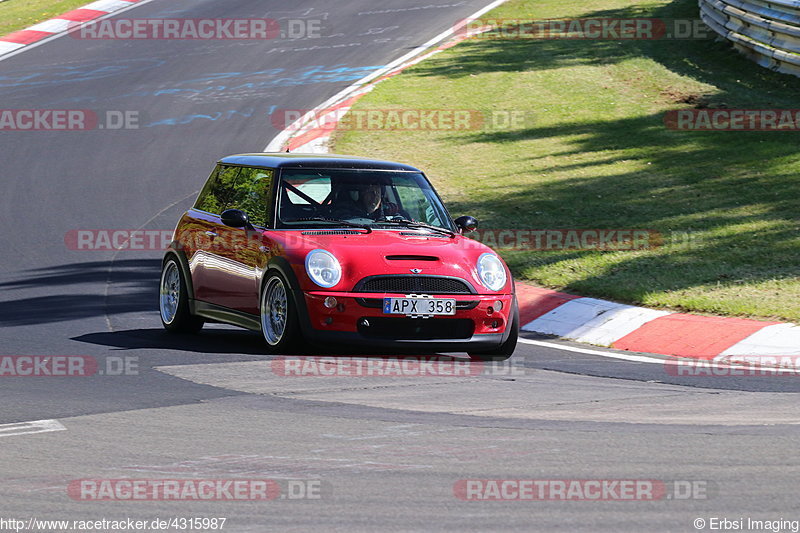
280, 139
110, 6
593, 321
611, 355
716, 363
6, 46
55, 25
776, 340
29, 428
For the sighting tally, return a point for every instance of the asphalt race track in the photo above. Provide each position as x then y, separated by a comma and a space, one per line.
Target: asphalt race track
388, 453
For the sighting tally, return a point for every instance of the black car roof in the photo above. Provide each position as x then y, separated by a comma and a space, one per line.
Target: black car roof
289, 160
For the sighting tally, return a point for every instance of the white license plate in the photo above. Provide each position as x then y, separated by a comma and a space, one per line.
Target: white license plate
419, 306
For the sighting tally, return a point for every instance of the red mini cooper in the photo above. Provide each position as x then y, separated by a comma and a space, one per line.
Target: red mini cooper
333, 249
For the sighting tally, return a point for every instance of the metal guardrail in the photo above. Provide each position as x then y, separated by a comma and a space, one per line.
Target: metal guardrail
767, 31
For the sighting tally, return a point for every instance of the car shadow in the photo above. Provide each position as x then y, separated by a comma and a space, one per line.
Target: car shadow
81, 290
209, 341
226, 341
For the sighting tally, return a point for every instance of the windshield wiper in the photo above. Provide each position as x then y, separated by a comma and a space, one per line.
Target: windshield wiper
412, 224
332, 221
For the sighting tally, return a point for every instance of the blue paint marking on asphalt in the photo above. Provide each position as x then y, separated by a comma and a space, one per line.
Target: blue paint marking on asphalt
188, 119
256, 80
313, 74
309, 76
66, 74
61, 74
228, 75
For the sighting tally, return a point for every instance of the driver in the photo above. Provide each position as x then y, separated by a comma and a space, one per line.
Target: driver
369, 198
368, 204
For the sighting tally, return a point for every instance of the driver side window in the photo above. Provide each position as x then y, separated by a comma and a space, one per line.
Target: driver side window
252, 194
218, 189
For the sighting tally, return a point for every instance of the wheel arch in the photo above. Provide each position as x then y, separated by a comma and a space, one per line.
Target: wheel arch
183, 263
281, 265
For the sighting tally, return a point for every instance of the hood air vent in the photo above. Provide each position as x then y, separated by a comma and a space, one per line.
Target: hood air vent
411, 258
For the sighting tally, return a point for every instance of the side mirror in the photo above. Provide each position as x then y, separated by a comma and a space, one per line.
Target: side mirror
235, 218
466, 224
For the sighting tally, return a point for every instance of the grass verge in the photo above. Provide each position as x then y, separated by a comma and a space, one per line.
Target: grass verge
19, 14
598, 155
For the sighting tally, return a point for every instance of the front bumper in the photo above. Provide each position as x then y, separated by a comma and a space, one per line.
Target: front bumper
358, 319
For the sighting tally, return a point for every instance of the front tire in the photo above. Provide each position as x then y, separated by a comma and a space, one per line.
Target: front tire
278, 315
173, 301
505, 350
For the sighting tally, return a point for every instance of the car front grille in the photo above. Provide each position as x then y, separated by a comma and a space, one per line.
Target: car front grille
414, 285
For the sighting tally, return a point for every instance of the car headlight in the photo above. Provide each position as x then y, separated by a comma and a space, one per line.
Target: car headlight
323, 268
491, 272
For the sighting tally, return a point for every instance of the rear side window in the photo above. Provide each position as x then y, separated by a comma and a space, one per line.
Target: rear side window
252, 193
218, 189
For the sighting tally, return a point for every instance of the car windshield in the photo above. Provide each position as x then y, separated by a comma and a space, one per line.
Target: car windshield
376, 199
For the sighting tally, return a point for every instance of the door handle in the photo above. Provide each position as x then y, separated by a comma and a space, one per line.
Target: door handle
211, 234
264, 249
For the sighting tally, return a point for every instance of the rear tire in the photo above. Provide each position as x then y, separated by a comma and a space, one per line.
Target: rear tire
505, 350
278, 312
173, 301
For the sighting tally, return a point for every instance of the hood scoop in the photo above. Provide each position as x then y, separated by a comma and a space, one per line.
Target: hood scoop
411, 258
414, 234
